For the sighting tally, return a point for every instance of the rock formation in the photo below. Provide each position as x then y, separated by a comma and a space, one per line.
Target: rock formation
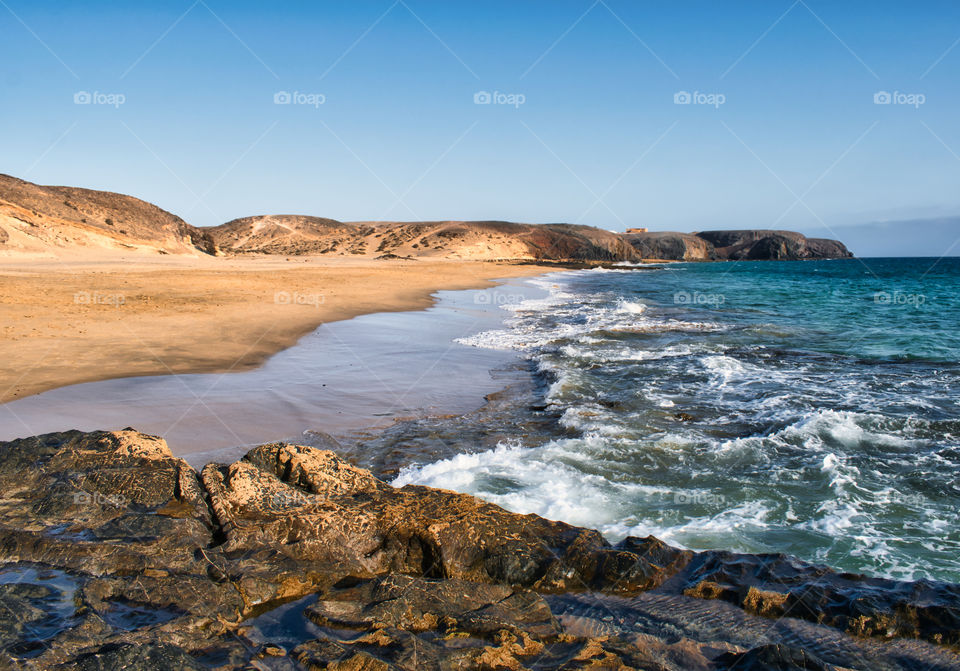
671, 246
742, 245
115, 554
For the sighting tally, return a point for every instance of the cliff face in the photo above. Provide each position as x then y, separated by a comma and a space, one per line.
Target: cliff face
736, 245
767, 244
116, 554
671, 246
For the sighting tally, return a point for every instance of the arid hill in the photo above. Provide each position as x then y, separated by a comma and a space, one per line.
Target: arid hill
50, 220
298, 235
54, 221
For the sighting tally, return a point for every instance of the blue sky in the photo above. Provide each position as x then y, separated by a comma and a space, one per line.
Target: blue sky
785, 131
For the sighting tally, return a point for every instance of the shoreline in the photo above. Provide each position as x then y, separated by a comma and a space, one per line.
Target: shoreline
309, 536
68, 323
361, 374
296, 555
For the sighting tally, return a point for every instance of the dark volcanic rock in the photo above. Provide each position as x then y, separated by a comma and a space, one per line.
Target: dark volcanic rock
759, 245
773, 658
311, 506
825, 248
116, 555
110, 503
574, 242
774, 248
671, 246
777, 585
745, 245
418, 604
127, 657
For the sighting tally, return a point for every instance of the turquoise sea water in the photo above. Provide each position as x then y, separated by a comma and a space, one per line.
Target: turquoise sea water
800, 407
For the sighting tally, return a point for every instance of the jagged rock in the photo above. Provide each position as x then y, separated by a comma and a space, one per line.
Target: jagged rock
758, 244
100, 502
418, 604
671, 246
22, 616
394, 649
776, 585
311, 506
153, 567
742, 245
773, 658
127, 657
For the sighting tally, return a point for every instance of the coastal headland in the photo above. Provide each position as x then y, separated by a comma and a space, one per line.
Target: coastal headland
97, 285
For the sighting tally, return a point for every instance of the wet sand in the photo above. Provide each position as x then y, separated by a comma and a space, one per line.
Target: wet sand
362, 373
69, 322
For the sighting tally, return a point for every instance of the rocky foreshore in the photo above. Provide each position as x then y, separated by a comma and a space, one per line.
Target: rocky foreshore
117, 555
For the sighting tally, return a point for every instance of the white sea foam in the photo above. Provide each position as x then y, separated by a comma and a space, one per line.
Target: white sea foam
630, 307
767, 455
553, 481
573, 316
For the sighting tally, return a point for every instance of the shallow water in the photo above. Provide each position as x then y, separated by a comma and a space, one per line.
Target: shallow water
346, 375
803, 407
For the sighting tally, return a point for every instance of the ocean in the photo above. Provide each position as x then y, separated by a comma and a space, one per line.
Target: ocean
809, 408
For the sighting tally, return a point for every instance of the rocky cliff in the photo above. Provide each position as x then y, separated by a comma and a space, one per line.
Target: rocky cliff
671, 246
116, 555
736, 245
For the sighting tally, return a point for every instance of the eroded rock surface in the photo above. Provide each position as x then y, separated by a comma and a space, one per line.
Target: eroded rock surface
115, 554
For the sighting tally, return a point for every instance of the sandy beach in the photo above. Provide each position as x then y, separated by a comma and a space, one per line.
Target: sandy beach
66, 322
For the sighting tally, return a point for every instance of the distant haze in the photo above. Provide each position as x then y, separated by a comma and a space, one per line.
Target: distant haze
918, 237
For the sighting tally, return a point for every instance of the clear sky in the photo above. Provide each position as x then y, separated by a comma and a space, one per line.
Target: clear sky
782, 128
